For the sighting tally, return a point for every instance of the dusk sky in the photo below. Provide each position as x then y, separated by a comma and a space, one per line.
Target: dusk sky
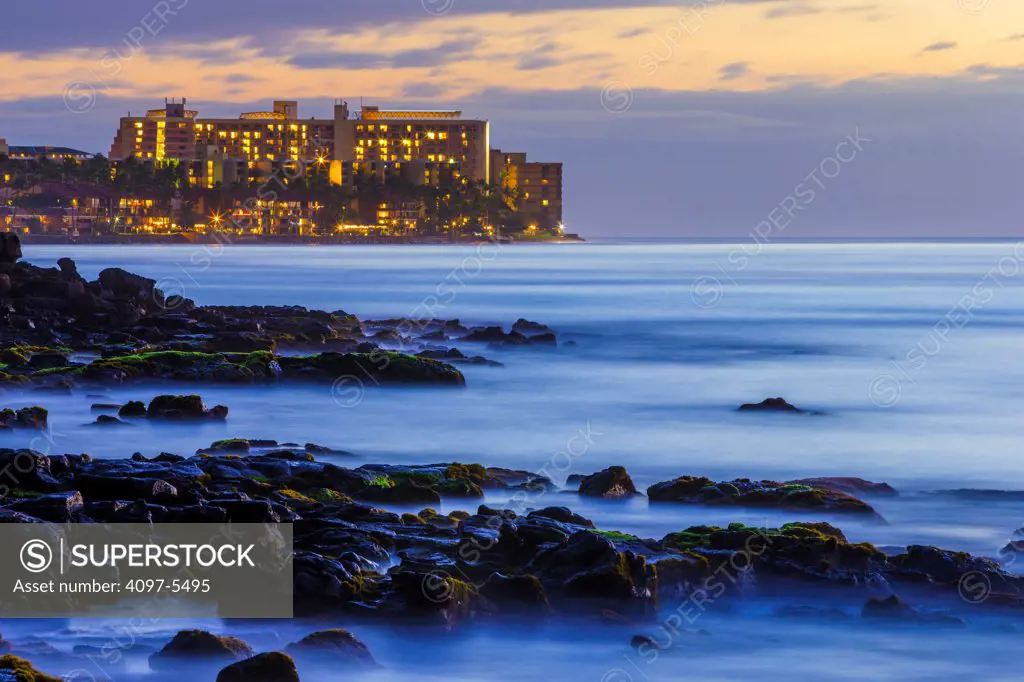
673, 119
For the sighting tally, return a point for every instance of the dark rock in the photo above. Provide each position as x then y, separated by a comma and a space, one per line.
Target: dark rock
183, 407
770, 405
124, 284
516, 593
587, 566
562, 514
48, 359
201, 647
10, 247
548, 339
848, 485
527, 327
27, 470
25, 418
612, 483
269, 667
892, 608
743, 492
55, 507
107, 420
889, 607
643, 643
112, 488
133, 408
337, 647
485, 335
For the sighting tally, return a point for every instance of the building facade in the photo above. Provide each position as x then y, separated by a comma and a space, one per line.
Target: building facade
534, 188
37, 153
374, 141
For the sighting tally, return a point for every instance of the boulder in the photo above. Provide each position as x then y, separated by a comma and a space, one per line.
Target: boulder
14, 669
516, 593
849, 485
183, 407
25, 418
27, 470
563, 515
133, 408
337, 647
60, 507
743, 492
269, 667
770, 405
95, 488
122, 283
612, 483
199, 646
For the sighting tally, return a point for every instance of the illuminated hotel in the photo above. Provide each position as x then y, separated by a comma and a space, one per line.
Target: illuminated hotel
534, 187
228, 150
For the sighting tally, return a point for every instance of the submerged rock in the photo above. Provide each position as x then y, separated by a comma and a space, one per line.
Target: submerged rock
771, 405
336, 647
743, 492
201, 647
25, 418
269, 667
183, 407
848, 485
133, 408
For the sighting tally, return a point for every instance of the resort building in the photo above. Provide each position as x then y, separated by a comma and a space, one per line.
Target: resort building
535, 188
55, 154
373, 141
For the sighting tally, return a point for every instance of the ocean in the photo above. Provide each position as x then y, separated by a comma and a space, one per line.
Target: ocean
909, 351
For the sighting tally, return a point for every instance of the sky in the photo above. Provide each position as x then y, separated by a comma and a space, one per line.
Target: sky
788, 119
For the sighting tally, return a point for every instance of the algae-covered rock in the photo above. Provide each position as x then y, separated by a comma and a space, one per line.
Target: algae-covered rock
273, 666
201, 647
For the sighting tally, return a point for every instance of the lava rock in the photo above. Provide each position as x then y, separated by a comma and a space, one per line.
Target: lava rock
771, 405
612, 483
201, 647
337, 647
269, 667
183, 407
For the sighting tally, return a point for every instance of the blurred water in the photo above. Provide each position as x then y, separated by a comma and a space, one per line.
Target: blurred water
911, 350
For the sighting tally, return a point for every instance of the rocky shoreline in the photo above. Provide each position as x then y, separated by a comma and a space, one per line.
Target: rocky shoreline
360, 554
358, 561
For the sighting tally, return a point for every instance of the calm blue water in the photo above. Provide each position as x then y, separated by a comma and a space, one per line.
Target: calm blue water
910, 349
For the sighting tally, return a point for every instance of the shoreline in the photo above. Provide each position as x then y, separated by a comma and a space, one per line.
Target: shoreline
228, 240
